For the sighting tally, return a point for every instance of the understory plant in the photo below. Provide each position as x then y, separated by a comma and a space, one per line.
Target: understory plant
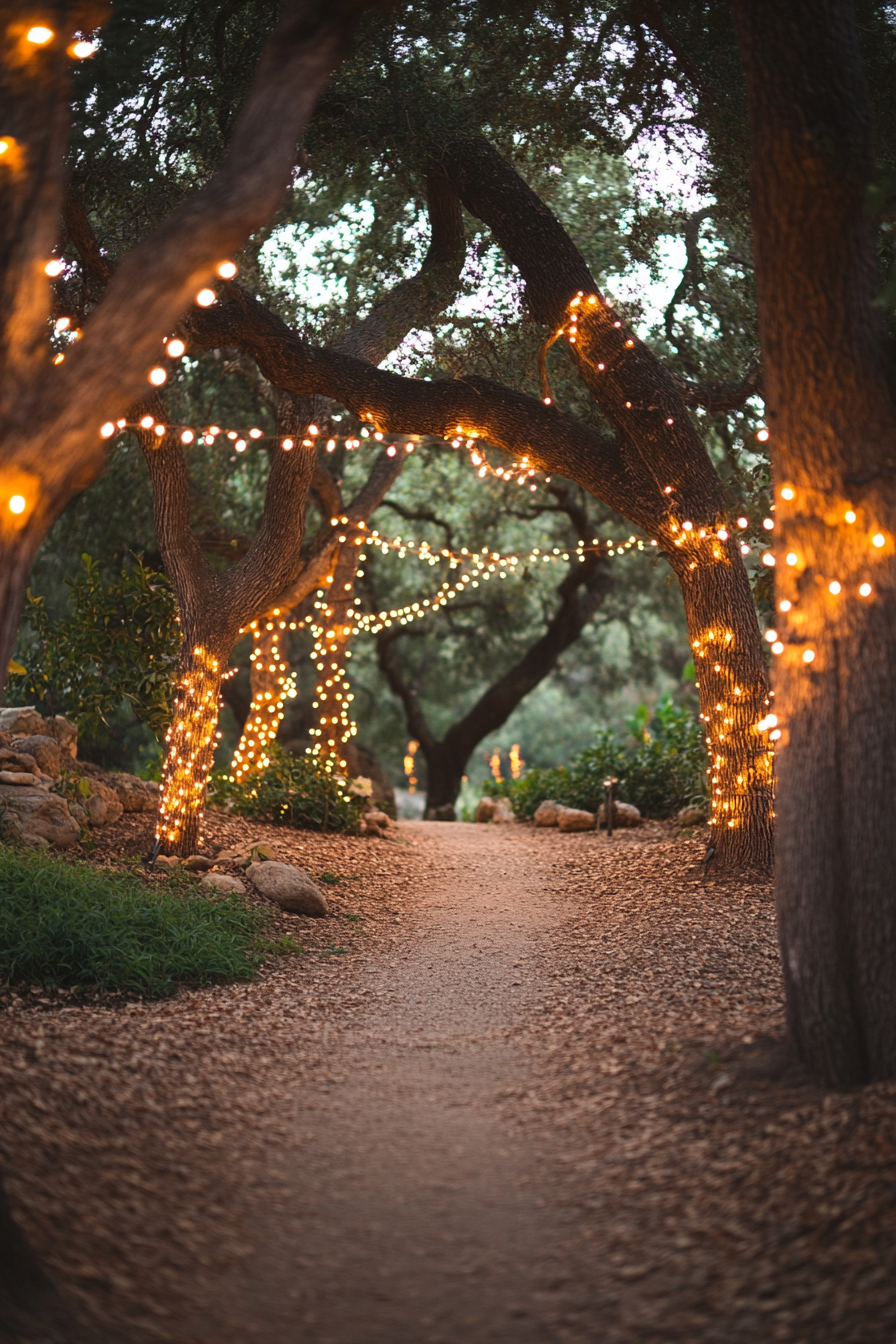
64, 924
661, 771
295, 791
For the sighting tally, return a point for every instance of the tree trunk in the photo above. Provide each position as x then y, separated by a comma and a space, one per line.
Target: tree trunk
191, 741
268, 678
831, 412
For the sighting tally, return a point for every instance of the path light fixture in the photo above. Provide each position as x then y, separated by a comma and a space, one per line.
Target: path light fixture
608, 802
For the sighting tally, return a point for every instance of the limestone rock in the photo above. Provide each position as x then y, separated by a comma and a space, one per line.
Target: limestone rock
34, 815
575, 819
79, 813
20, 777
134, 795
290, 887
691, 816
547, 813
102, 793
96, 809
222, 882
17, 760
503, 811
22, 721
167, 861
624, 814
198, 863
45, 750
485, 809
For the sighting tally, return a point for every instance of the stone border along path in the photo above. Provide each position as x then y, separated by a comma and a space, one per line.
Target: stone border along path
527, 1108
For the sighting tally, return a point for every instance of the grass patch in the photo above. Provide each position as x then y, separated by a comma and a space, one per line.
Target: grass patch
280, 947
68, 925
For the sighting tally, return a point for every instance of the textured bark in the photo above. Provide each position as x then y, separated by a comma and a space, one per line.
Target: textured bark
50, 417
215, 606
581, 593
829, 390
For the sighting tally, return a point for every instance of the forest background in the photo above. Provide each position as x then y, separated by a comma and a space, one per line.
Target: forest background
628, 176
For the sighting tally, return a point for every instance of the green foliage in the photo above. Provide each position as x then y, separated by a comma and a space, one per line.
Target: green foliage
293, 791
65, 924
118, 642
664, 771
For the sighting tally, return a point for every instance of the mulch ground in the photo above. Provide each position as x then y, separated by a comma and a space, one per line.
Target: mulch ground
719, 1196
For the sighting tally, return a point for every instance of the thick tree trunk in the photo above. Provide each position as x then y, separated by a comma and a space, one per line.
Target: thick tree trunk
829, 371
268, 678
191, 740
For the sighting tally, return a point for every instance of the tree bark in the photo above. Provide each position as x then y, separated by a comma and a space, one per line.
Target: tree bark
829, 391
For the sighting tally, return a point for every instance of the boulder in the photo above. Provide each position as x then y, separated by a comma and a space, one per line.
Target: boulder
290, 887
17, 760
503, 811
36, 816
167, 861
444, 813
134, 795
485, 809
65, 733
22, 721
575, 819
198, 863
370, 827
96, 810
377, 818
691, 816
624, 814
20, 777
45, 750
102, 793
222, 882
547, 813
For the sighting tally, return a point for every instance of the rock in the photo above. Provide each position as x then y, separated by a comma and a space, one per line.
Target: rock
369, 827
198, 863
485, 809
17, 760
377, 818
230, 856
167, 861
102, 792
575, 819
17, 777
222, 882
134, 795
22, 721
79, 813
547, 813
691, 816
624, 814
34, 816
45, 750
503, 811
290, 887
65, 733
96, 809
444, 813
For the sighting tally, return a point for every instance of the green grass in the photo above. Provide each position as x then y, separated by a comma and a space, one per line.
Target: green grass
67, 925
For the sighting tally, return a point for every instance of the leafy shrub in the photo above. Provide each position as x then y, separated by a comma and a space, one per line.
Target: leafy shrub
664, 771
292, 791
119, 642
66, 924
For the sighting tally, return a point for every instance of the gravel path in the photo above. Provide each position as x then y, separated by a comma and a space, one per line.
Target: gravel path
518, 1089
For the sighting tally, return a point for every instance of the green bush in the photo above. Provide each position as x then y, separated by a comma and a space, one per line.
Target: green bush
665, 770
292, 791
65, 924
119, 643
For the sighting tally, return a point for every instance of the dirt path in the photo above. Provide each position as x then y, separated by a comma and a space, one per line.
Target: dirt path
514, 1091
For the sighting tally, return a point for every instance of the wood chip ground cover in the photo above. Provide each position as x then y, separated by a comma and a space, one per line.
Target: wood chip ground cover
587, 1022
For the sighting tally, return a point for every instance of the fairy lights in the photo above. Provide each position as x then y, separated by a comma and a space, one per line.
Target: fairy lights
272, 684
190, 751
39, 35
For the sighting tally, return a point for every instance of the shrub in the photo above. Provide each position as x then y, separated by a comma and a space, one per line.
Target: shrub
65, 924
292, 791
664, 771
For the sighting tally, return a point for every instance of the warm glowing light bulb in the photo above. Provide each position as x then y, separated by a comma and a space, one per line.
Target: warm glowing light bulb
849, 516
205, 298
743, 522
147, 422
158, 376
722, 534
40, 36
81, 50
62, 324
809, 656
777, 647
864, 589
768, 559
834, 587
175, 348
107, 430
287, 445
792, 558
785, 604
17, 504
227, 270
762, 435
787, 492
187, 436
771, 636
878, 539
53, 268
